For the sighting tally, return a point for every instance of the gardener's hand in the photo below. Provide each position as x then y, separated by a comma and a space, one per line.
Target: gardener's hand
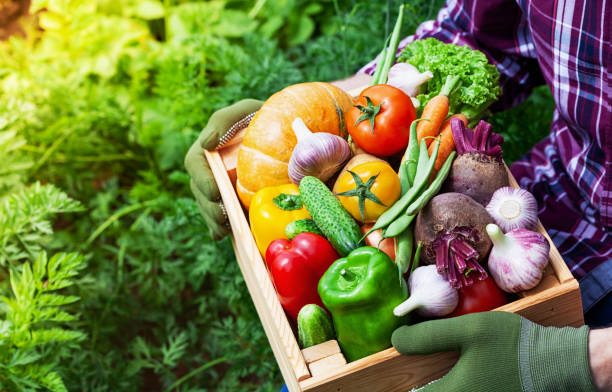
502, 352
203, 183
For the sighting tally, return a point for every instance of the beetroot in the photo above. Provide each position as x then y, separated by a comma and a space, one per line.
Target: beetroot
478, 171
452, 230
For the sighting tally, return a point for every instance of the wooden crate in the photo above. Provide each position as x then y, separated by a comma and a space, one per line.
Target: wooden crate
555, 301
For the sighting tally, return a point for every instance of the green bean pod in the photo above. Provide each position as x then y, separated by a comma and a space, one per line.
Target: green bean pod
403, 250
399, 225
433, 188
420, 182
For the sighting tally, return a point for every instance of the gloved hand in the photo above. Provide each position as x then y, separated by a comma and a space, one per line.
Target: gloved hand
203, 183
502, 352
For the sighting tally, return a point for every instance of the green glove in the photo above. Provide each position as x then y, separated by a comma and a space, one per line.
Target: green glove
203, 183
502, 352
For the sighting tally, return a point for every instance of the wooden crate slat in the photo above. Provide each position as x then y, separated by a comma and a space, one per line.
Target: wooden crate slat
320, 351
277, 327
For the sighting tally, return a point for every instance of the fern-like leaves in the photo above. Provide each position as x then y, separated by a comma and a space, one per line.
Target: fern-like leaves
25, 220
34, 335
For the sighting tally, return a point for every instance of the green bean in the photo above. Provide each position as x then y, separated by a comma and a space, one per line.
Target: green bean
433, 189
392, 49
396, 209
417, 257
379, 66
399, 225
412, 152
403, 250
403, 177
426, 172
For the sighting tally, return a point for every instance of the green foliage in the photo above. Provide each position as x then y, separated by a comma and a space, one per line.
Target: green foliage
103, 103
33, 339
25, 221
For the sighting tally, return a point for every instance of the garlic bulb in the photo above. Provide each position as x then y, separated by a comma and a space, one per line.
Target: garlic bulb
430, 294
517, 259
407, 78
319, 154
513, 208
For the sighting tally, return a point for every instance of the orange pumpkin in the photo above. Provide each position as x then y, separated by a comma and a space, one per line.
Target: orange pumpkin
269, 140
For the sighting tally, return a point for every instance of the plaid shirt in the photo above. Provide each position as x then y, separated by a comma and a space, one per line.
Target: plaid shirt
565, 44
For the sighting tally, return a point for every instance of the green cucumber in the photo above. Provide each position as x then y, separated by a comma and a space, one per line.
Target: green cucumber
301, 226
314, 326
334, 221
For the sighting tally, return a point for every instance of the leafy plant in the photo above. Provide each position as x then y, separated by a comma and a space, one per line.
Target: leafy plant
25, 220
33, 336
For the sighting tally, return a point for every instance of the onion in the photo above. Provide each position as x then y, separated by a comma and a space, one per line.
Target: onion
513, 208
430, 294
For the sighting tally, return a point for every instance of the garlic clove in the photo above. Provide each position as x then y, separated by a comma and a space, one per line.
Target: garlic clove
408, 78
518, 258
319, 154
430, 294
513, 208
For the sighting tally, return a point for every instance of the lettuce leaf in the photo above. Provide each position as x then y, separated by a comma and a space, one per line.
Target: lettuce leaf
479, 79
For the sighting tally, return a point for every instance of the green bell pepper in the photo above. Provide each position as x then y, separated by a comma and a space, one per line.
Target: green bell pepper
360, 291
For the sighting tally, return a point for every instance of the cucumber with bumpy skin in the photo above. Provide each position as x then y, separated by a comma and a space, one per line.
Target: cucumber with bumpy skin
301, 226
334, 221
314, 326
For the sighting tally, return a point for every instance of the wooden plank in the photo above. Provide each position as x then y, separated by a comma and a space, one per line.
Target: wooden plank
327, 365
320, 351
385, 371
273, 318
558, 306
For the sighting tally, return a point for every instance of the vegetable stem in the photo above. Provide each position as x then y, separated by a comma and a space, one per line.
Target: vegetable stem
406, 307
497, 237
449, 85
417, 257
348, 274
300, 129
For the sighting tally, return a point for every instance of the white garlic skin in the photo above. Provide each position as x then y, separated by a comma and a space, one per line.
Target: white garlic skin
517, 259
319, 154
513, 208
408, 78
430, 294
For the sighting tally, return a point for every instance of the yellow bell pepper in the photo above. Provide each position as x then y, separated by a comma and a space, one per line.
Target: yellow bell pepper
368, 190
272, 209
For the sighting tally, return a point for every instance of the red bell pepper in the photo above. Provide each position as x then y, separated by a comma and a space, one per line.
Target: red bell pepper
481, 296
296, 267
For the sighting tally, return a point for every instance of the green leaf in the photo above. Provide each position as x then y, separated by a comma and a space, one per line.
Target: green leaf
301, 31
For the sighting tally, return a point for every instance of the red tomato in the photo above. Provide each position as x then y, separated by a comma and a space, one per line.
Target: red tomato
483, 295
296, 267
392, 111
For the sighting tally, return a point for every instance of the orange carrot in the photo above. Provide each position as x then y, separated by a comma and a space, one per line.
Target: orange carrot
436, 111
447, 143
